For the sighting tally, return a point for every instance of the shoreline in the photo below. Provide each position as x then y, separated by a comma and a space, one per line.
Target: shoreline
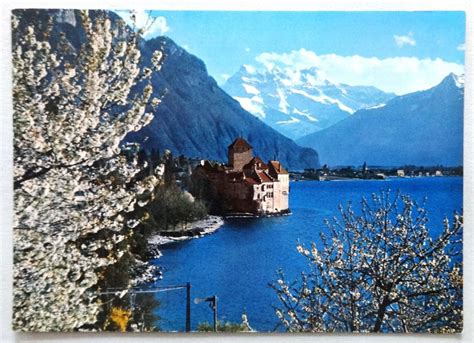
254, 216
376, 179
197, 229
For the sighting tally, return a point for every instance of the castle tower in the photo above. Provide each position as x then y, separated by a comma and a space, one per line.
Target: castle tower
240, 153
282, 187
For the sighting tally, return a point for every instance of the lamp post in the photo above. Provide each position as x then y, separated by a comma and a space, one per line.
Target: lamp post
188, 307
212, 304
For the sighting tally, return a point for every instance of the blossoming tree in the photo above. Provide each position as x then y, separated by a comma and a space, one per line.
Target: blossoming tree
380, 271
73, 186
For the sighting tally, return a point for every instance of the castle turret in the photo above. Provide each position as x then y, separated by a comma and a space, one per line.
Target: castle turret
240, 153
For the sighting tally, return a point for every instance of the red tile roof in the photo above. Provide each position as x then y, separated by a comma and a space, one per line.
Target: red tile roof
254, 177
240, 143
255, 161
249, 177
251, 180
276, 168
264, 177
254, 172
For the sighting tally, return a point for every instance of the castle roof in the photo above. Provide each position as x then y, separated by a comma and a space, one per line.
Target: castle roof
256, 161
275, 168
251, 177
235, 176
263, 177
209, 167
240, 143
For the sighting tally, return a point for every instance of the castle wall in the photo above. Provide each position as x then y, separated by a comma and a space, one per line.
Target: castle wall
283, 191
278, 203
239, 197
258, 195
238, 158
268, 197
264, 195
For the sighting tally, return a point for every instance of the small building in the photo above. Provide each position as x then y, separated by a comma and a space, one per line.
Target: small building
247, 184
400, 173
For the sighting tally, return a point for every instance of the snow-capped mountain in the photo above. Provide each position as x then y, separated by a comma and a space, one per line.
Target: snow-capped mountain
196, 118
421, 128
298, 102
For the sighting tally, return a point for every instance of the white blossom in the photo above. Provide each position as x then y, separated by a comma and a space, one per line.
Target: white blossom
69, 175
379, 271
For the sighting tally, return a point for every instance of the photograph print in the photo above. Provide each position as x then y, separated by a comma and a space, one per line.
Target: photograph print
238, 171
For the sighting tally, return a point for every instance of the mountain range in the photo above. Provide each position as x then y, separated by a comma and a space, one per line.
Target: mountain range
297, 102
421, 128
196, 117
346, 125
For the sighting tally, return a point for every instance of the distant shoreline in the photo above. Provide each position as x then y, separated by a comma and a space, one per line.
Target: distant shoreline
374, 179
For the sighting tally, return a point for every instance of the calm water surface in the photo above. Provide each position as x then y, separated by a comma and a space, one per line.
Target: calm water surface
237, 262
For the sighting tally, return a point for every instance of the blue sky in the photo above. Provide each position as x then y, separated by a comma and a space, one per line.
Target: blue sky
226, 40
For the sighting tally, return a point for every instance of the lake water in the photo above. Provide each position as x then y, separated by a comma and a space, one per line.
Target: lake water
237, 262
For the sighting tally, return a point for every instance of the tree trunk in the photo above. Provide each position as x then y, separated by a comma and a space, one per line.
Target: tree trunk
381, 314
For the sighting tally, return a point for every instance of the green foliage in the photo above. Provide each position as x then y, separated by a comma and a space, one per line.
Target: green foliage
172, 207
169, 208
120, 276
142, 317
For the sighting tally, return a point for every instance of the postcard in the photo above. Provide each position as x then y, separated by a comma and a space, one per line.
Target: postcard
238, 171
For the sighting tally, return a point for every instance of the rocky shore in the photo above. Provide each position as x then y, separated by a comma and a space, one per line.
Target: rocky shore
196, 229
261, 215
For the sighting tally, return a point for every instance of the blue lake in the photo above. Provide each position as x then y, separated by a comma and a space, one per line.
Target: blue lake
238, 261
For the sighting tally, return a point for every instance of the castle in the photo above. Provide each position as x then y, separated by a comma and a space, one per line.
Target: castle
247, 184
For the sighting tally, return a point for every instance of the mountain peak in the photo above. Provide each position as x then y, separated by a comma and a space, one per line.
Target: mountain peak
298, 101
196, 118
248, 69
420, 128
453, 79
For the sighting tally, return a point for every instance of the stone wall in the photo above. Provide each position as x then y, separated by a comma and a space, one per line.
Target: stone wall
238, 158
